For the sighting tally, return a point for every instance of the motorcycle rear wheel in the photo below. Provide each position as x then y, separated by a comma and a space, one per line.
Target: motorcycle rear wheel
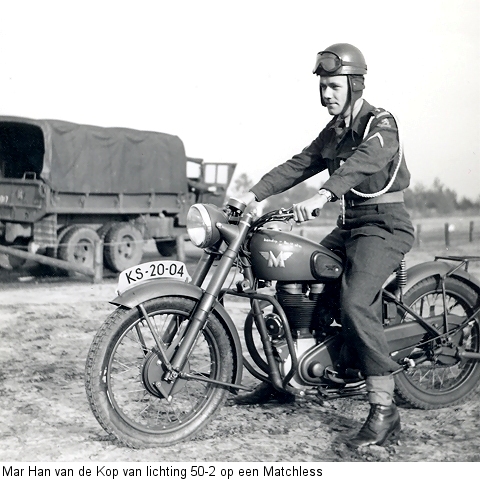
122, 369
436, 383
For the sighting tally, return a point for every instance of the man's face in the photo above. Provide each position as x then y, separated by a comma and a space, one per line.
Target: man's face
334, 91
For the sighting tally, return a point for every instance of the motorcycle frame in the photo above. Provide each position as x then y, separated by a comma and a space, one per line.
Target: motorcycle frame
248, 289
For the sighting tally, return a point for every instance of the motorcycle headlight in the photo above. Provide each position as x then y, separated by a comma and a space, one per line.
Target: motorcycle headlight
201, 224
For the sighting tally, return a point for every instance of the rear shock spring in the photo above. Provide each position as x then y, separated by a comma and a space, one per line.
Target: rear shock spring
402, 274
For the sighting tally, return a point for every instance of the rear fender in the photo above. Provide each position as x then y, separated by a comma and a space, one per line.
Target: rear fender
433, 268
411, 333
171, 287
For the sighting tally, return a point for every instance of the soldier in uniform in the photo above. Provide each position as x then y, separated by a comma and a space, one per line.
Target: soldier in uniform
361, 149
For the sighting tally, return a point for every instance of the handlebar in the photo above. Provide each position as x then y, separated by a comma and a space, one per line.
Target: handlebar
279, 215
315, 212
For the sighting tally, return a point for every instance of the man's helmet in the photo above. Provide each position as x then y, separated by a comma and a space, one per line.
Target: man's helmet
339, 60
343, 60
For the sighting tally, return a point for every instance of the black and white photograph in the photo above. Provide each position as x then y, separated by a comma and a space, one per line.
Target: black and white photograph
239, 239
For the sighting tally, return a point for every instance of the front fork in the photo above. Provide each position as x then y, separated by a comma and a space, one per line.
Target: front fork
205, 304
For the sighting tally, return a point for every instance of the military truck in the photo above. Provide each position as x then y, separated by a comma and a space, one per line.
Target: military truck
64, 186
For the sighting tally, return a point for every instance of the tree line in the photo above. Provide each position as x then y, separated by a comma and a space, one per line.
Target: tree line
420, 200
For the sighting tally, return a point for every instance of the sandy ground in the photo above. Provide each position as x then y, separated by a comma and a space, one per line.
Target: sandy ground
46, 328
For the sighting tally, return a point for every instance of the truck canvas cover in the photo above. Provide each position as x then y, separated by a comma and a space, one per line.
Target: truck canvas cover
78, 158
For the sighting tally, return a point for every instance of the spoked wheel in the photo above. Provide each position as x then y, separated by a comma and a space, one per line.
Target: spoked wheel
123, 375
442, 380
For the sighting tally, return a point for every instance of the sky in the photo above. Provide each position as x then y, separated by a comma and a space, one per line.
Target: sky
233, 79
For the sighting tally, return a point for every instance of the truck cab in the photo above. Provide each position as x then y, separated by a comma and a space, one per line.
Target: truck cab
209, 181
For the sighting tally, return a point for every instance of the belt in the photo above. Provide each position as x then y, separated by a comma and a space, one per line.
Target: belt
391, 197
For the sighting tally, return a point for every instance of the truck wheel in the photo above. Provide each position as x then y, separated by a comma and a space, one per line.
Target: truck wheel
123, 247
61, 233
167, 248
103, 230
8, 261
78, 246
54, 252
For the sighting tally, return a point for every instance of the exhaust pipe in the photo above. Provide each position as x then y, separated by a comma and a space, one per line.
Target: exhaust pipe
469, 355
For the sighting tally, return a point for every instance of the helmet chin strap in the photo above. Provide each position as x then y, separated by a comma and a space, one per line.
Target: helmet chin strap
353, 96
349, 101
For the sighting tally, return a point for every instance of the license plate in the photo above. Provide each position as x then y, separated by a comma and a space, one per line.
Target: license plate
164, 269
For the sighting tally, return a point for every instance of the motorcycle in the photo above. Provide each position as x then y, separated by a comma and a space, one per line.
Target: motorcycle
164, 362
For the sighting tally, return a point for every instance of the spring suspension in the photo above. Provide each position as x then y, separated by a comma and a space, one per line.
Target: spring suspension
402, 274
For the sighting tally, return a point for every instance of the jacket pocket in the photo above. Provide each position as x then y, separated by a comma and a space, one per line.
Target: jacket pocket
373, 224
369, 231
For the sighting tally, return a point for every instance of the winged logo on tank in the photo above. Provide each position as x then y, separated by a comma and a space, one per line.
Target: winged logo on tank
278, 261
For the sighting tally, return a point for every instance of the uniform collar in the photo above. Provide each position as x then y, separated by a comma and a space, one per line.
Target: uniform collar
361, 119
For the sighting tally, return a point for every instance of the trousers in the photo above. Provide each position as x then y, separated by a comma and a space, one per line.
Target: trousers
372, 240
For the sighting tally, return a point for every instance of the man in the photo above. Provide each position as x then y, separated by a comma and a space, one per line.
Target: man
361, 150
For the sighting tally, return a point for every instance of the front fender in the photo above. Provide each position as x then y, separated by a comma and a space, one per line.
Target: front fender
171, 287
156, 288
433, 268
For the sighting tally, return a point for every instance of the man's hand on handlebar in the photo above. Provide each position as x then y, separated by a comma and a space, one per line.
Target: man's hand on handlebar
307, 210
247, 198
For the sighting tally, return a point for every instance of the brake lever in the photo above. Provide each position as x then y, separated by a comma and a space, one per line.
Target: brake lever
315, 212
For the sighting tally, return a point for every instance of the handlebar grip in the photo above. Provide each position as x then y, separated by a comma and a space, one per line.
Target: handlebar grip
316, 212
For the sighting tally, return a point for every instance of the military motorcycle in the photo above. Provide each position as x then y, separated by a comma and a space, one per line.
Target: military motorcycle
165, 360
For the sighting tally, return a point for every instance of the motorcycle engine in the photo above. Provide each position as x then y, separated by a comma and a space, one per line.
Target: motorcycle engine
311, 310
309, 307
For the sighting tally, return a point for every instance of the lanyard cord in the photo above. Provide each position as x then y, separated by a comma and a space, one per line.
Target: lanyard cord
400, 155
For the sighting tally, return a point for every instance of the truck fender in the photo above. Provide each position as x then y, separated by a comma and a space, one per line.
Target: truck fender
433, 268
170, 287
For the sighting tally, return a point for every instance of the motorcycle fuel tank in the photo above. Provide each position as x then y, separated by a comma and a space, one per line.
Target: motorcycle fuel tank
280, 256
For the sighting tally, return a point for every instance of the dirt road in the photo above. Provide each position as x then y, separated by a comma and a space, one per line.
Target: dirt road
46, 329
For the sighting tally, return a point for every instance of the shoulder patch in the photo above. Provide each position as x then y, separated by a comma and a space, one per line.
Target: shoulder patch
384, 123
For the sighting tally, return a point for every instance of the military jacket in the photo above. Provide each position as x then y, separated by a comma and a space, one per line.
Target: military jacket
355, 158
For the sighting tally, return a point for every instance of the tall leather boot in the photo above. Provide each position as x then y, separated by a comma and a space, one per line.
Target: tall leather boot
383, 420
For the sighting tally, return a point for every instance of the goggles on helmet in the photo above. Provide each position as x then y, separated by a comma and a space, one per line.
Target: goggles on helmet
329, 62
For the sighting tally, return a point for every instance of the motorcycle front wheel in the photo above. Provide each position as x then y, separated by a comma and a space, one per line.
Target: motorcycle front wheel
123, 369
442, 380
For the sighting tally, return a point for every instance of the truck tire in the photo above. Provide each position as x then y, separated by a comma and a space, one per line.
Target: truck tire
61, 233
12, 262
167, 248
103, 230
78, 246
123, 247
54, 252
